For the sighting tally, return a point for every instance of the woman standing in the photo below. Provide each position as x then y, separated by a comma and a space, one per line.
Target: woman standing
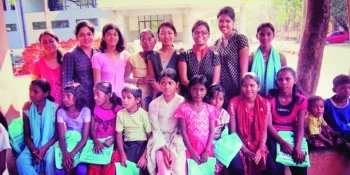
166, 57
233, 50
109, 65
266, 60
200, 59
48, 67
76, 65
137, 65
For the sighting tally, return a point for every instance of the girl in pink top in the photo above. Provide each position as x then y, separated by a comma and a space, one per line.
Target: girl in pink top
197, 120
107, 104
48, 67
109, 65
288, 114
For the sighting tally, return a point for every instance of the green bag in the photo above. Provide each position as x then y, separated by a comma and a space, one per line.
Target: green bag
286, 159
130, 169
16, 134
227, 147
206, 168
89, 156
72, 139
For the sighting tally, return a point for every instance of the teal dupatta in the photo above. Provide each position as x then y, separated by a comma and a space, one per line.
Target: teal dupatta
266, 73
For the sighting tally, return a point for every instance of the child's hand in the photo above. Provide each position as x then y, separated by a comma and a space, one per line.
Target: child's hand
167, 156
123, 159
109, 142
98, 146
250, 155
142, 163
68, 161
204, 156
260, 155
298, 156
40, 154
195, 156
286, 148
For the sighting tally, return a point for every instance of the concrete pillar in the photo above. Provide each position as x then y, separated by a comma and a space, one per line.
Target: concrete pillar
242, 19
188, 21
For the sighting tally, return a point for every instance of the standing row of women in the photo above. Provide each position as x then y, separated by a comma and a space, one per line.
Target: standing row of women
226, 61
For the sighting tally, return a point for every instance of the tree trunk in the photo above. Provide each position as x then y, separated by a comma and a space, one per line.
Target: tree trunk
312, 45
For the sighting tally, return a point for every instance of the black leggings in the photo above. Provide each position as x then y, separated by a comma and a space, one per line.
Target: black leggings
236, 166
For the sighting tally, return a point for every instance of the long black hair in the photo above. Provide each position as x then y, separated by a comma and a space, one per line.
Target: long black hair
106, 88
44, 86
120, 45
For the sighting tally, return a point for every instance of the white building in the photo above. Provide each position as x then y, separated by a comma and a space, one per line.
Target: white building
26, 19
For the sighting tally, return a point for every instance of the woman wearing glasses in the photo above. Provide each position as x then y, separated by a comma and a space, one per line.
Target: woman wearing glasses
200, 59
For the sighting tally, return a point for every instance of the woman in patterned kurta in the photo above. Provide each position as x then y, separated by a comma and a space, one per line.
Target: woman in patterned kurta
233, 50
200, 59
166, 149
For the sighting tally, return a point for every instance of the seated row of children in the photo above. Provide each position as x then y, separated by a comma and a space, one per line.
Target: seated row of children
176, 133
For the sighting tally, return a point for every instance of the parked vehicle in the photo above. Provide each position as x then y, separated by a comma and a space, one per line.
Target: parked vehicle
337, 37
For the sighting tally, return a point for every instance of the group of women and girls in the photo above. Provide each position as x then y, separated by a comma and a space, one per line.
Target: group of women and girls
160, 108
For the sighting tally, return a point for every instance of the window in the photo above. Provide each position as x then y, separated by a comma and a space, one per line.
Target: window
11, 27
4, 4
152, 21
94, 21
12, 4
60, 24
39, 25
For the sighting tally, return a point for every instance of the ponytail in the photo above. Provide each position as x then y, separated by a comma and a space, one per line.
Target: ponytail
59, 57
51, 98
115, 100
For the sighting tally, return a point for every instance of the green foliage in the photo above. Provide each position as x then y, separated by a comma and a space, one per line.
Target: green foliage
12, 2
288, 13
339, 12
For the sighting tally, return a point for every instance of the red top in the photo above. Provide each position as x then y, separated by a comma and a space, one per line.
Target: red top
287, 123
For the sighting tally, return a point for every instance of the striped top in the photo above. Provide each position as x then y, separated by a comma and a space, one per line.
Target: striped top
134, 126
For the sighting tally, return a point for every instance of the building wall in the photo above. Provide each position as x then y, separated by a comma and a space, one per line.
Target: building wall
12, 17
71, 16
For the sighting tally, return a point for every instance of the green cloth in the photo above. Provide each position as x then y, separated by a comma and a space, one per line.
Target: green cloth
227, 147
89, 156
266, 74
206, 168
86, 155
16, 134
130, 169
286, 159
72, 139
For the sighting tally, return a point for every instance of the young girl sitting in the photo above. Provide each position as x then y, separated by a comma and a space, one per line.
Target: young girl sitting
217, 98
288, 109
107, 104
39, 131
133, 128
166, 149
250, 114
197, 120
75, 115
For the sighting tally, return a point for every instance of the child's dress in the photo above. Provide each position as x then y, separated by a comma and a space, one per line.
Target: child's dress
315, 126
134, 127
42, 129
165, 133
220, 123
105, 120
75, 124
197, 125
